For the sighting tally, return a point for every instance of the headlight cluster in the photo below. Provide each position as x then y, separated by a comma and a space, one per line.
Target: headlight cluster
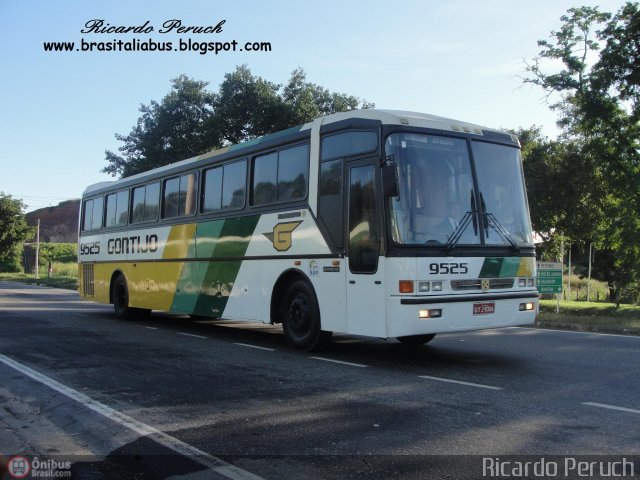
409, 286
526, 282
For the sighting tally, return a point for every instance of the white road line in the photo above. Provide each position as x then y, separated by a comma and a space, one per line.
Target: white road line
255, 346
360, 365
145, 326
190, 335
577, 333
216, 464
612, 407
469, 384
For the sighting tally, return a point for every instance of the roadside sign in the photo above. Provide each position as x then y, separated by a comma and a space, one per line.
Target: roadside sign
549, 277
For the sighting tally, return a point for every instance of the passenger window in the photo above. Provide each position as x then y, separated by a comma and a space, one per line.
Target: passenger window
179, 196
293, 171
330, 206
265, 175
212, 190
145, 203
234, 185
92, 214
224, 187
117, 209
281, 176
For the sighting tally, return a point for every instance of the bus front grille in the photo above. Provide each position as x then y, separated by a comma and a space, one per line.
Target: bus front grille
87, 279
476, 284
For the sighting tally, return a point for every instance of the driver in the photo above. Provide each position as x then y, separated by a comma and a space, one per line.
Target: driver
437, 213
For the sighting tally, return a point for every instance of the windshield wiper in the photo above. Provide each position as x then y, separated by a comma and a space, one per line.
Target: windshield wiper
493, 222
458, 231
489, 220
454, 238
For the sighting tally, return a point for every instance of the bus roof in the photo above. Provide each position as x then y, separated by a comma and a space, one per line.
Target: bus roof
387, 117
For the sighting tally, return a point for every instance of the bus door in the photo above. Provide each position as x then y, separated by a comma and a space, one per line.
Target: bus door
365, 276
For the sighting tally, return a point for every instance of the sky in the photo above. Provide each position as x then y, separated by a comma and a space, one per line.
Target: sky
60, 111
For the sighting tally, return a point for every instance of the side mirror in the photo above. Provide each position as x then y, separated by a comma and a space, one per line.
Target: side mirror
390, 179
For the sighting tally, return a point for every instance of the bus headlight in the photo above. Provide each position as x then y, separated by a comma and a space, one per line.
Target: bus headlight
431, 313
423, 287
527, 307
436, 286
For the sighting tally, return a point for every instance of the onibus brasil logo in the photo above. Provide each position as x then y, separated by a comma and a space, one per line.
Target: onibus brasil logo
20, 467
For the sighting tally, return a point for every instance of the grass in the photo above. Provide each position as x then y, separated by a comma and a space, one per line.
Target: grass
63, 275
579, 286
590, 316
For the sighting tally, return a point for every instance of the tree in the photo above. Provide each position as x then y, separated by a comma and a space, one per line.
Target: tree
178, 127
191, 120
13, 231
599, 109
248, 107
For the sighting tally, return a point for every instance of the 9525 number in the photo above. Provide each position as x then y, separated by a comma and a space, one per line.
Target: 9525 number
448, 268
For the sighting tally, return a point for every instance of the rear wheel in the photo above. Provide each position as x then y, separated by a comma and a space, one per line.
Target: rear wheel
301, 317
121, 301
416, 340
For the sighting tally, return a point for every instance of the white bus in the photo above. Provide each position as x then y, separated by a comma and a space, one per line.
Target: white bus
388, 224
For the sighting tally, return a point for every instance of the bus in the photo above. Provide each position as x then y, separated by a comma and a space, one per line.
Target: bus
388, 224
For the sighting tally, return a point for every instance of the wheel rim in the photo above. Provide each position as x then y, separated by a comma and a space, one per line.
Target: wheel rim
300, 314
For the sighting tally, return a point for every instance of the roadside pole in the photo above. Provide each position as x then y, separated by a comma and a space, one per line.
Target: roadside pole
37, 249
589, 279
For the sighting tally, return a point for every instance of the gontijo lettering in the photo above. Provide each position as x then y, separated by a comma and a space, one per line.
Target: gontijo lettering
134, 244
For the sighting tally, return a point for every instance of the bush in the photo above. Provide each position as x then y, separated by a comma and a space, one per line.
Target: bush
10, 261
59, 252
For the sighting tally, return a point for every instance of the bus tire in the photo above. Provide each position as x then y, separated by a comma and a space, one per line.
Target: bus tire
121, 301
416, 340
301, 317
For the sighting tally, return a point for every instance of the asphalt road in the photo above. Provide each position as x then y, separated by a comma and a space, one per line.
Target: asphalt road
169, 396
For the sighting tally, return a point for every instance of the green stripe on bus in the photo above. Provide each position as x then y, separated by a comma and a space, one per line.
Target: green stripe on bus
204, 287
497, 267
218, 281
510, 267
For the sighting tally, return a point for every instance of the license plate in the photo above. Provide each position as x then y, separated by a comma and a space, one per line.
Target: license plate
484, 308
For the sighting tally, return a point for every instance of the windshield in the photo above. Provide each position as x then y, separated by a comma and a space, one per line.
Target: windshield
499, 170
436, 189
437, 204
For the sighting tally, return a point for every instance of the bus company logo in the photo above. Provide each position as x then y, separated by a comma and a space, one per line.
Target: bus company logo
281, 235
19, 467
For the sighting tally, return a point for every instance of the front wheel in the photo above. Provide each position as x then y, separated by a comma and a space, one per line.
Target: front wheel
121, 301
301, 317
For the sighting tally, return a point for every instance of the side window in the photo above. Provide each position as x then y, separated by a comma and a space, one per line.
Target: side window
96, 222
330, 205
348, 143
224, 187
265, 177
234, 185
152, 202
92, 211
117, 209
179, 196
212, 190
363, 221
145, 205
281, 176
